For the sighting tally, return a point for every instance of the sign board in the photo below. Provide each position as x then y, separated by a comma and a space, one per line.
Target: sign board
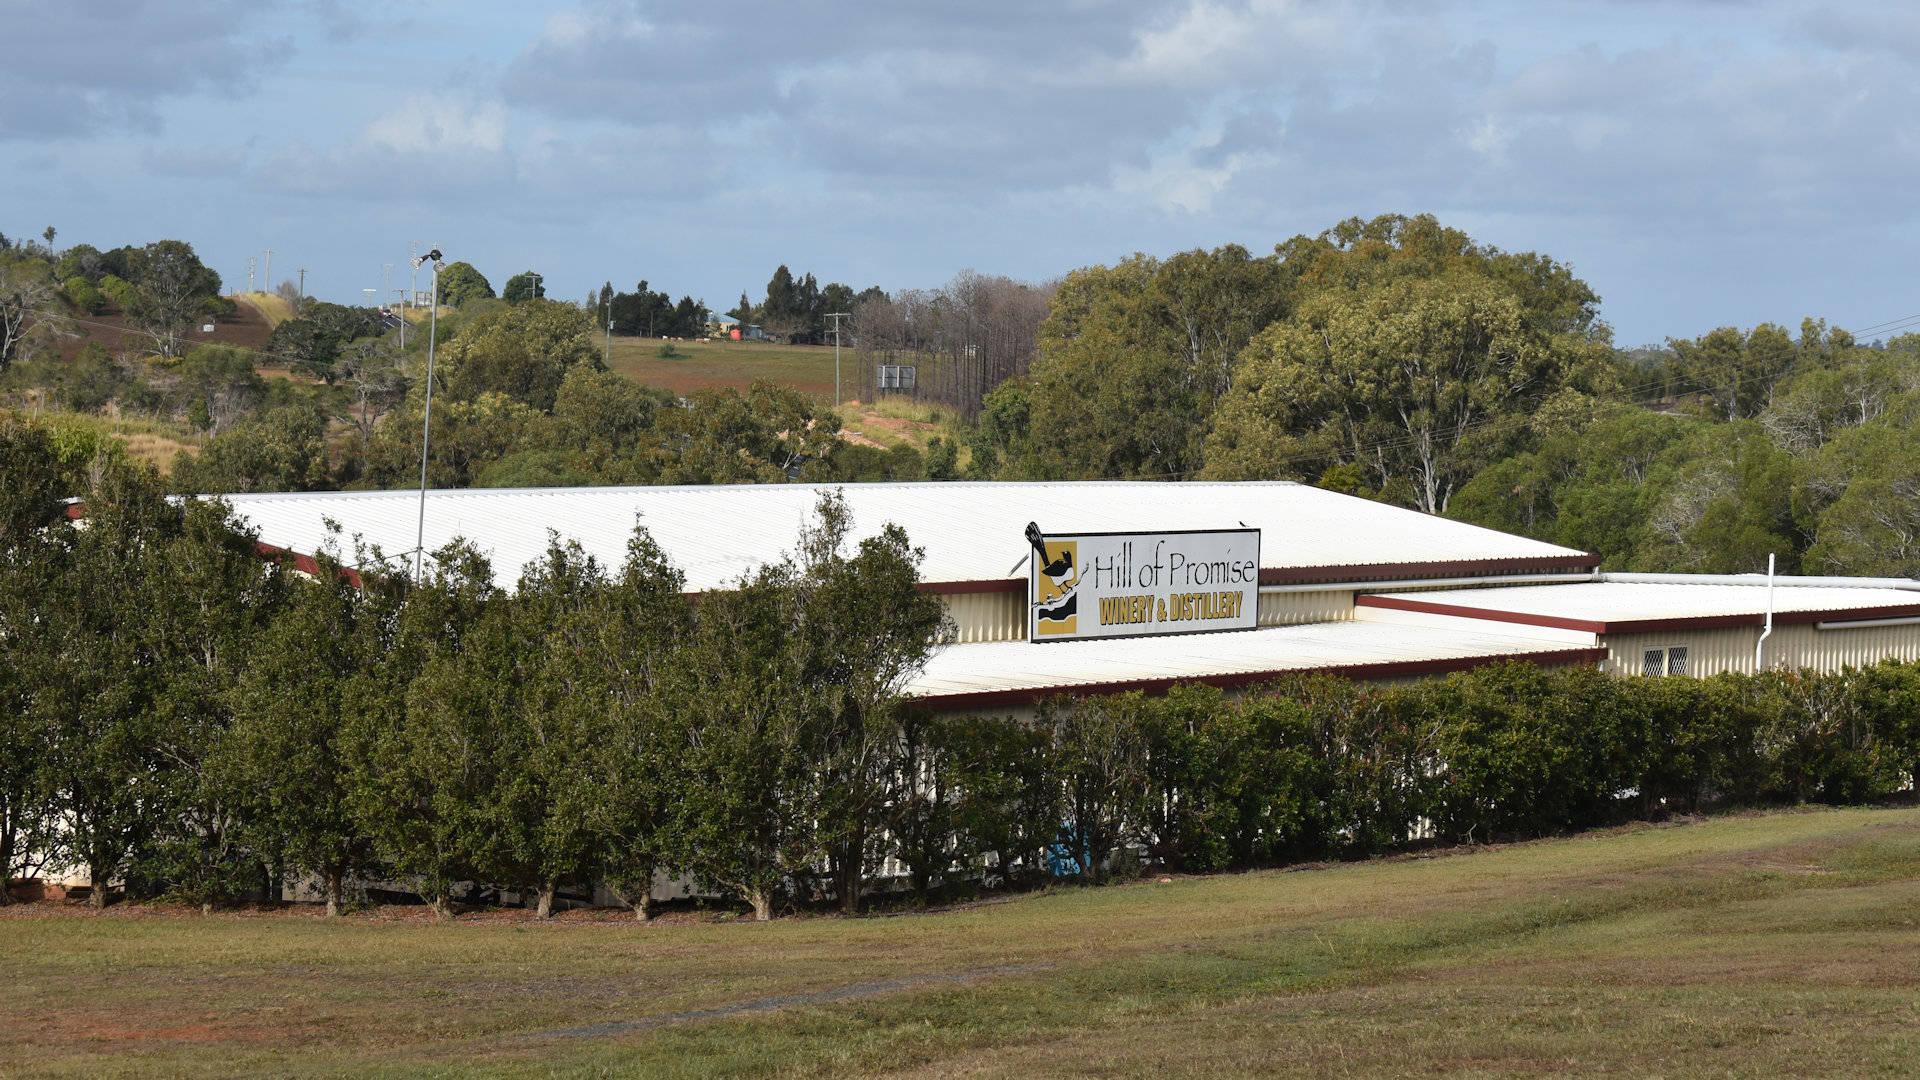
896, 377
1096, 585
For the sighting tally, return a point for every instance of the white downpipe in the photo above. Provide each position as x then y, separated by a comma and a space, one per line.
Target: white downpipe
1768, 628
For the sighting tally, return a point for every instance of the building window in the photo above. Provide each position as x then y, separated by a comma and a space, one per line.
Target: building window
1671, 660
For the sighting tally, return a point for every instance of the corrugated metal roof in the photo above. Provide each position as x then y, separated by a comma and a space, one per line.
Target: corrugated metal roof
1608, 606
971, 531
1018, 667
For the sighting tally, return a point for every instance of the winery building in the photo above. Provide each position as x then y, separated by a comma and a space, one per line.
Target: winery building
1102, 587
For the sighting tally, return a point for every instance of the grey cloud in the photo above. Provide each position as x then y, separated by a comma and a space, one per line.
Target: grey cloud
79, 66
891, 93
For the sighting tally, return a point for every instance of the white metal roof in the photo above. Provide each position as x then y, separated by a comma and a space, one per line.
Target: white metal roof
1619, 605
971, 531
1013, 667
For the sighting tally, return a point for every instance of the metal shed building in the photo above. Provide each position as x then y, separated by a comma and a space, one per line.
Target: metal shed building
1344, 584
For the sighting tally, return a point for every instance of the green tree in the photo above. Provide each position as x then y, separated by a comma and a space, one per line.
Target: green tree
461, 284
33, 542
1736, 371
790, 686
1101, 749
1421, 381
296, 708
523, 352
281, 449
767, 434
426, 745
29, 305
523, 287
172, 288
638, 765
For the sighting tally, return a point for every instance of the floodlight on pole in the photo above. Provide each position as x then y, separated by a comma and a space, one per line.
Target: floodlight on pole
426, 422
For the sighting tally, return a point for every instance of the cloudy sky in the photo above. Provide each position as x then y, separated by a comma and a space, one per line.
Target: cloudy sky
1700, 163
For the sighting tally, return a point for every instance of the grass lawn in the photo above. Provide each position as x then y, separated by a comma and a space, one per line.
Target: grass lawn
1763, 945
697, 365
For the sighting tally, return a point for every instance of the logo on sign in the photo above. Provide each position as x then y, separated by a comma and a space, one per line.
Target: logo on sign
1056, 605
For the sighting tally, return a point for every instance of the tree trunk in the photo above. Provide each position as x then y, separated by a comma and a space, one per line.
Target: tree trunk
543, 908
762, 901
6, 864
333, 892
848, 883
643, 911
97, 892
206, 908
442, 906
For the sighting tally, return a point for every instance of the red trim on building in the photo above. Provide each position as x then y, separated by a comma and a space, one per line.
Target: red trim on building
1385, 670
1432, 607
994, 585
306, 564
1636, 626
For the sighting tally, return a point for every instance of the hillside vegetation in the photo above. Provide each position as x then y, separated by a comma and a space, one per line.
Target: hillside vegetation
1768, 945
1395, 359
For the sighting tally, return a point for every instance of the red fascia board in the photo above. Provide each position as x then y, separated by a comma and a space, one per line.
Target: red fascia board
1305, 575
993, 585
981, 699
1431, 607
1636, 626
306, 564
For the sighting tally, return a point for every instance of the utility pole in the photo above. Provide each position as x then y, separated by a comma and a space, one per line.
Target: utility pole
836, 316
413, 287
268, 275
303, 285
250, 262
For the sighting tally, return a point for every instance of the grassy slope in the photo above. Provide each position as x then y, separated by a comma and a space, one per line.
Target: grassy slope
700, 364
1759, 945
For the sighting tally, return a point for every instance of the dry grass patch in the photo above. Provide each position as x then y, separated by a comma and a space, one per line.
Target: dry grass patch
701, 365
1757, 945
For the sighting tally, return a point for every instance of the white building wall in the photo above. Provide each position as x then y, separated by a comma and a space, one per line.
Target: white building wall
1791, 647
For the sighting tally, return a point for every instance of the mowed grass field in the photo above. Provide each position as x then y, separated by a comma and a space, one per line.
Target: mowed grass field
697, 365
1766, 945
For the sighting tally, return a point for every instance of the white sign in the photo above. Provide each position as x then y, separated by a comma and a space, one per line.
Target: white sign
1092, 585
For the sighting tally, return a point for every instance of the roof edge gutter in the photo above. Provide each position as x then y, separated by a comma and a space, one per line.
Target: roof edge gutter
1862, 624
1907, 584
1376, 585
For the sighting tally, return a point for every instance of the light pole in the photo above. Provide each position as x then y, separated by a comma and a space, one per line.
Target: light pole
426, 423
607, 318
836, 316
535, 291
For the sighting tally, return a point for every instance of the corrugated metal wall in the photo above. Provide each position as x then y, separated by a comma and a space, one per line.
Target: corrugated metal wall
1002, 616
1298, 608
1710, 652
988, 616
